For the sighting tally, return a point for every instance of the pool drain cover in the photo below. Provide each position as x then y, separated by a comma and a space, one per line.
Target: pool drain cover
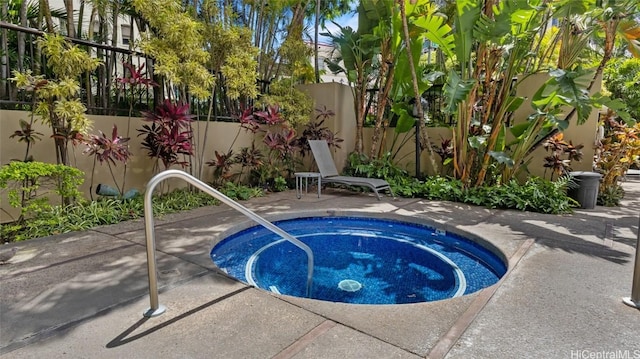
349, 285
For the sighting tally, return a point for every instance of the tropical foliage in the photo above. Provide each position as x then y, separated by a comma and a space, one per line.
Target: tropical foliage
57, 102
28, 135
276, 148
85, 215
621, 78
487, 50
535, 194
169, 136
356, 54
31, 185
109, 150
617, 152
176, 43
562, 153
242, 60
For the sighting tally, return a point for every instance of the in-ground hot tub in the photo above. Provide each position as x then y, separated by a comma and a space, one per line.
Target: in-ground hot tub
360, 260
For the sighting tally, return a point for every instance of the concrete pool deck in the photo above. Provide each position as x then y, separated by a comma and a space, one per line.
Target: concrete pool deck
82, 295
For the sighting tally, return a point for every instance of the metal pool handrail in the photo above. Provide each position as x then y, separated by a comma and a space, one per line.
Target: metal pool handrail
157, 309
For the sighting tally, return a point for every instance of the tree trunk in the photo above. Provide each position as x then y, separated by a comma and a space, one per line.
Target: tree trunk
360, 99
45, 8
317, 35
211, 113
87, 81
80, 20
423, 136
71, 32
383, 95
297, 19
90, 29
4, 49
487, 64
131, 32
22, 36
114, 39
258, 40
103, 71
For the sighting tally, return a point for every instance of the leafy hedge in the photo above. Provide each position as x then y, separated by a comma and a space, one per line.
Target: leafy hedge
536, 194
30, 184
85, 215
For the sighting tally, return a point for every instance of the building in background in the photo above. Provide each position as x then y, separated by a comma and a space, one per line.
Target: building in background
125, 29
324, 53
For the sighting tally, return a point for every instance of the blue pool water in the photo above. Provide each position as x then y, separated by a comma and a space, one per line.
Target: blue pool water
360, 260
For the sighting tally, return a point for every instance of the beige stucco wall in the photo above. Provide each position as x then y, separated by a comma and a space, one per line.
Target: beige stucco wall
221, 136
339, 99
405, 156
579, 134
140, 167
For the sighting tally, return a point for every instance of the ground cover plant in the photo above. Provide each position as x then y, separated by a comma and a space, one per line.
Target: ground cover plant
535, 194
84, 214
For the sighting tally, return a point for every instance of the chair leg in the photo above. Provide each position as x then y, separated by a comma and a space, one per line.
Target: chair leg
391, 193
375, 190
377, 193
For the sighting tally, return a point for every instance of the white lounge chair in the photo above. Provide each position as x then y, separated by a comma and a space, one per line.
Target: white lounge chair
329, 173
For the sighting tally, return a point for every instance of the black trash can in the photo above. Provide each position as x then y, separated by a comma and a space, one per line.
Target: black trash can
586, 190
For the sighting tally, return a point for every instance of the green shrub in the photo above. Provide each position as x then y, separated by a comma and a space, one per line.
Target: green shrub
79, 216
30, 185
280, 184
621, 78
240, 192
360, 165
88, 214
443, 189
406, 186
610, 196
537, 194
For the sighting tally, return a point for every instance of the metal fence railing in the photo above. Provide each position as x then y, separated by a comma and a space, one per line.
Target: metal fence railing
101, 92
432, 102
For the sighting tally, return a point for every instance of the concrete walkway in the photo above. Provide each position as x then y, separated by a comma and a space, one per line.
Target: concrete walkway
82, 295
